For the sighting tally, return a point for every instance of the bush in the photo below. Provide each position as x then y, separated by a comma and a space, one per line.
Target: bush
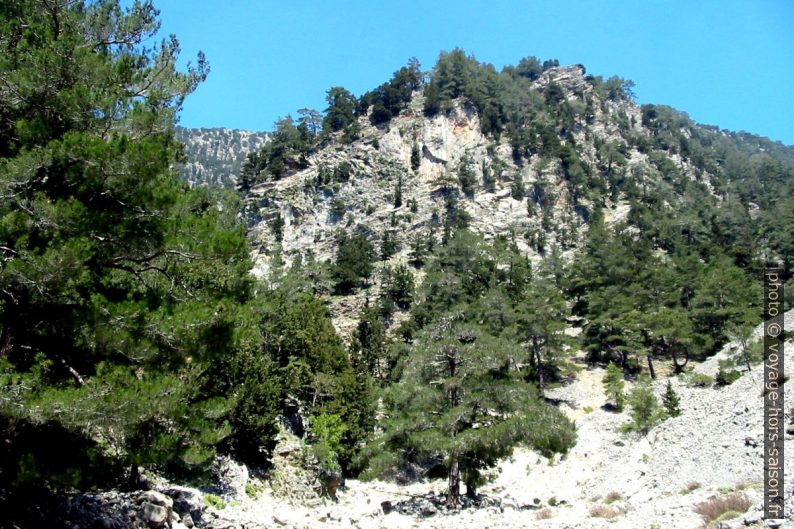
327, 430
726, 377
416, 157
252, 491
722, 508
400, 286
216, 502
517, 190
337, 208
697, 380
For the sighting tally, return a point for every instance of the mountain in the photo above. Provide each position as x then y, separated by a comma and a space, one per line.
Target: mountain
530, 155
216, 155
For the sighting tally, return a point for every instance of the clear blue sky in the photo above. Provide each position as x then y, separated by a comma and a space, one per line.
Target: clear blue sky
725, 62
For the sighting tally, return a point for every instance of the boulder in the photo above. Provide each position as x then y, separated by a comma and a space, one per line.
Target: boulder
186, 500
187, 521
155, 515
156, 498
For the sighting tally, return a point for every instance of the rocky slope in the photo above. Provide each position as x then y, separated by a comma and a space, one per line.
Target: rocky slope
216, 155
381, 162
609, 479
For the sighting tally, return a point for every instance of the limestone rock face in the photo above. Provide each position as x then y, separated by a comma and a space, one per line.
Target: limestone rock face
380, 161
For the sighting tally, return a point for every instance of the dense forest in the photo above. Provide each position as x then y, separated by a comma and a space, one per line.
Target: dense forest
133, 335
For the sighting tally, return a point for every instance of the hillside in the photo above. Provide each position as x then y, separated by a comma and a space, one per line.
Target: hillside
216, 156
586, 148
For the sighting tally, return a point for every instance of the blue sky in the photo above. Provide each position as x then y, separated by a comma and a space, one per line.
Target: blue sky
724, 62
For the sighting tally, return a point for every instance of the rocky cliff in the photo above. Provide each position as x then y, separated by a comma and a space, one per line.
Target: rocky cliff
531, 201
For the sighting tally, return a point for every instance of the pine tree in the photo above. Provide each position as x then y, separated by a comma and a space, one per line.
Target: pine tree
671, 401
353, 263
120, 288
460, 398
487, 178
400, 287
418, 250
416, 157
517, 190
388, 245
613, 386
466, 177
645, 410
370, 343
398, 192
541, 322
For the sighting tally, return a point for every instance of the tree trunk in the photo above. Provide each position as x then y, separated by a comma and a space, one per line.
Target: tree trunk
746, 352
650, 367
679, 368
453, 485
539, 367
471, 487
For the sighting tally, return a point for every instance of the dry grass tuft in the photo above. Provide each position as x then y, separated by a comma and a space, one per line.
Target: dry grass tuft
690, 487
604, 511
716, 507
613, 496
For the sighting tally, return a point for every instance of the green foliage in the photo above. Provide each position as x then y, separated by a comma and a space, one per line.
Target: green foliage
671, 401
277, 226
419, 250
613, 386
286, 151
517, 190
369, 345
340, 112
390, 98
252, 491
466, 177
697, 380
726, 377
214, 501
398, 192
416, 157
327, 429
487, 178
399, 285
354, 257
644, 407
540, 323
337, 208
389, 245
458, 377
120, 289
314, 366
